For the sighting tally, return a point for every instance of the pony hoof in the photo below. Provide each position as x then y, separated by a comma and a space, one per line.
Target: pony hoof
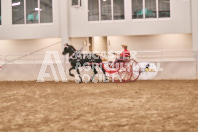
77, 81
80, 81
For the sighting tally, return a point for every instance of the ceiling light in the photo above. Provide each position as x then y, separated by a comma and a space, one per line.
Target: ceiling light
16, 4
36, 9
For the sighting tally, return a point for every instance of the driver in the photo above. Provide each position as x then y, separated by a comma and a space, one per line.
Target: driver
124, 55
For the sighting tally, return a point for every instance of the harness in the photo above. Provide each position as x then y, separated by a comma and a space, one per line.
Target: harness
76, 55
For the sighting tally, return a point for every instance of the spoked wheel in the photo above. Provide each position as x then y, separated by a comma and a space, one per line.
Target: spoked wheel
124, 74
136, 70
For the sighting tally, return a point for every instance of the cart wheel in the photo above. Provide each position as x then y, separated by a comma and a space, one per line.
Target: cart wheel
124, 74
136, 70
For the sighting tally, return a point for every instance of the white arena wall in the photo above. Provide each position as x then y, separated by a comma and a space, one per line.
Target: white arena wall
73, 22
70, 22
26, 46
151, 42
135, 43
29, 45
178, 23
172, 51
28, 31
172, 70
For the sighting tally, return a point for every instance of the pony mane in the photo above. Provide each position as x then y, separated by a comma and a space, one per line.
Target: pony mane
72, 47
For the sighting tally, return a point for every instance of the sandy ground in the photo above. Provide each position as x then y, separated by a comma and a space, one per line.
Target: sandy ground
132, 107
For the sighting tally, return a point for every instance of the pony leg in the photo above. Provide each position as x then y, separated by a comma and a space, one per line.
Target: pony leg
104, 72
95, 72
70, 71
79, 75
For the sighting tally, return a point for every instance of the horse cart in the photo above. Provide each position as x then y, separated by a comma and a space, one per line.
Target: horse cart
121, 71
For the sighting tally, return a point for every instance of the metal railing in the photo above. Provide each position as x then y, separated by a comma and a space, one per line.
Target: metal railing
167, 55
163, 55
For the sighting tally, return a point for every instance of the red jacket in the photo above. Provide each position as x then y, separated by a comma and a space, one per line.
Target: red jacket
125, 53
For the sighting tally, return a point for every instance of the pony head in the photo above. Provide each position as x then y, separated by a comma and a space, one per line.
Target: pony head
66, 49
